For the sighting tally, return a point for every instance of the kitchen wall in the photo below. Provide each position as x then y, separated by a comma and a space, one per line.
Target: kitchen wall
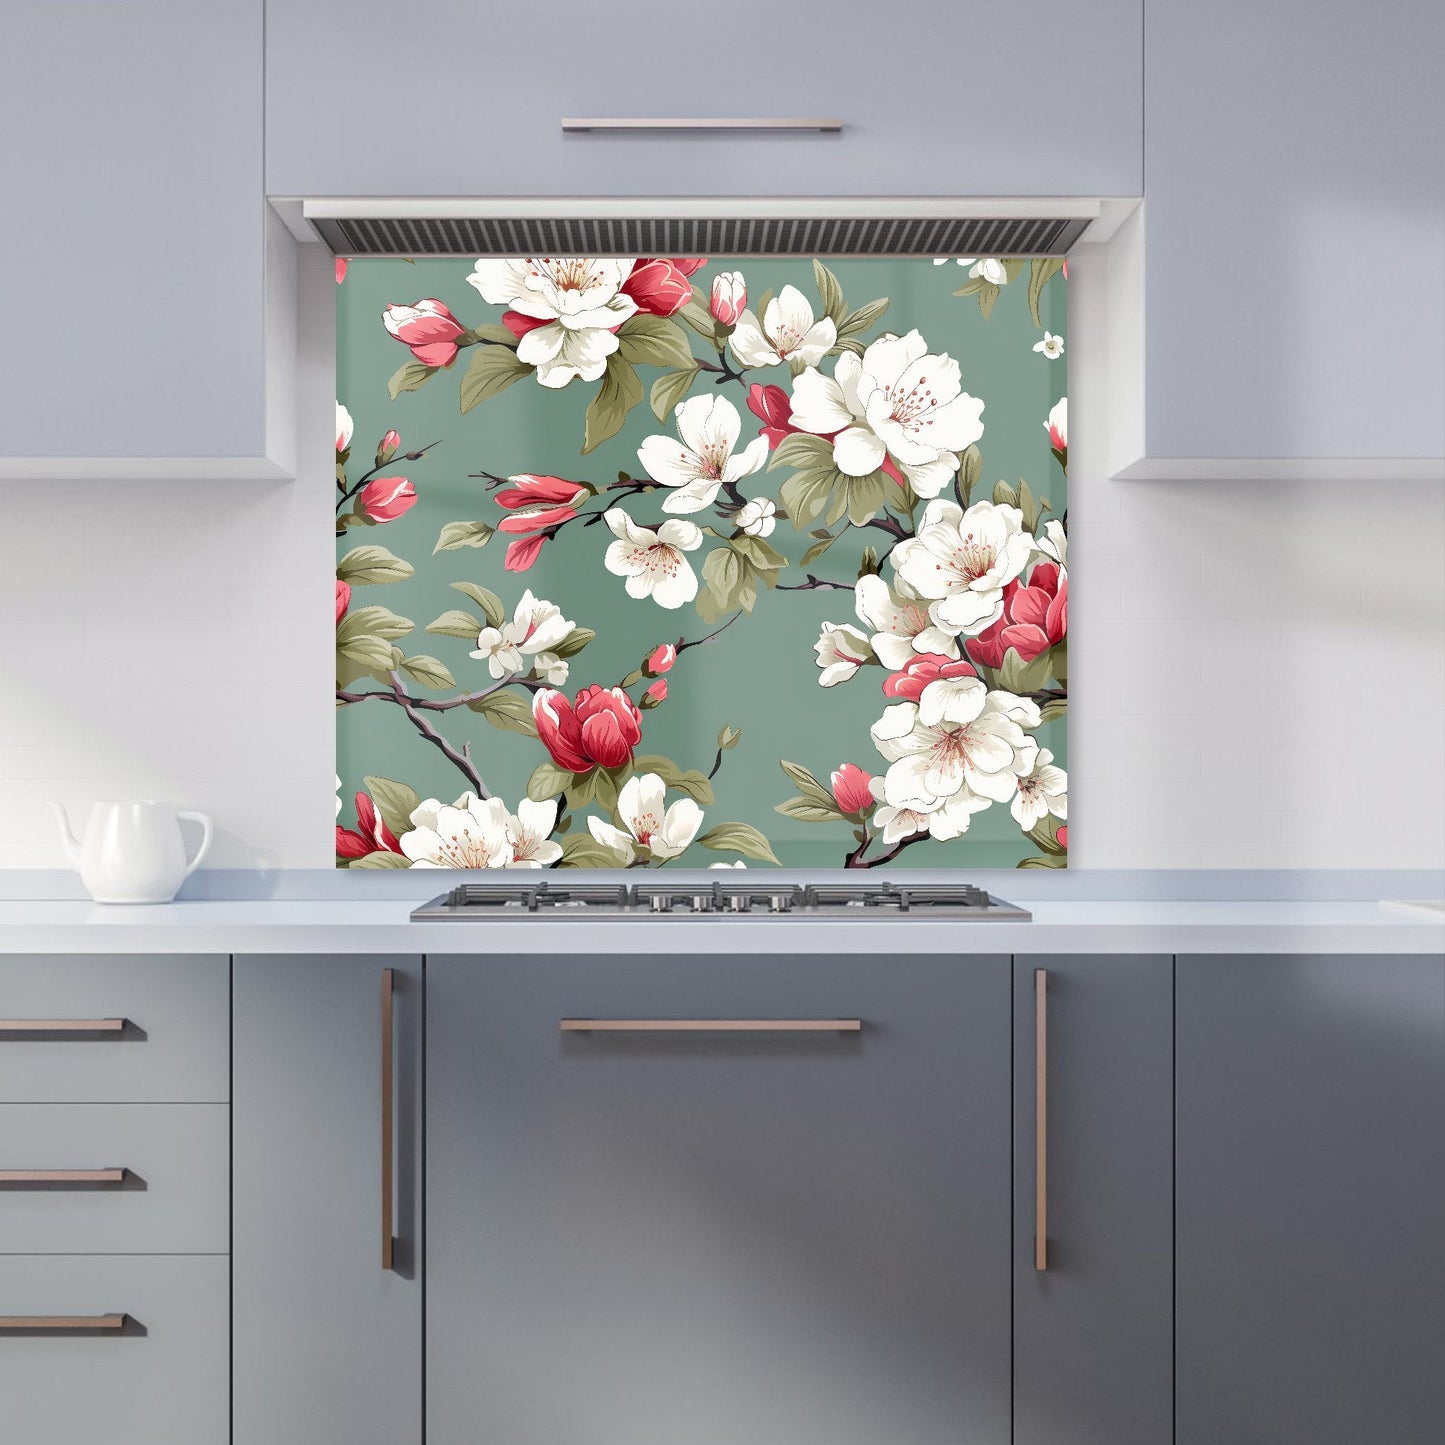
1259, 668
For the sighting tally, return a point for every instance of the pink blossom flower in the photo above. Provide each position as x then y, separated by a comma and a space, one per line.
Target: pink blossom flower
523, 552
660, 659
386, 498
729, 297
528, 490
428, 328
922, 669
770, 404
852, 789
599, 730
388, 447
1063, 837
341, 264
343, 598
520, 325
344, 428
660, 286
1035, 617
371, 834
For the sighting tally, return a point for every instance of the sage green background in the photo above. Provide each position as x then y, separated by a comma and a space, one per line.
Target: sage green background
760, 675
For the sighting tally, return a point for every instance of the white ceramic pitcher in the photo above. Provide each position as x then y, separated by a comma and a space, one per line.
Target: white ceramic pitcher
133, 852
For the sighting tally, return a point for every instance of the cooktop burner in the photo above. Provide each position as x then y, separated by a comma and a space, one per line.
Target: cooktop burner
509, 899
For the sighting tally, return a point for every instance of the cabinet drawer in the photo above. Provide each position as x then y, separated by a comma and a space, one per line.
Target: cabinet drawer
171, 1198
173, 1047
163, 1377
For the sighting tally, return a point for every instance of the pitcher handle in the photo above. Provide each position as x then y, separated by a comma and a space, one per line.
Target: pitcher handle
205, 823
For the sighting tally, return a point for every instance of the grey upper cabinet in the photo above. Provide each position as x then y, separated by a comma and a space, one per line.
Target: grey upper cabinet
327, 1342
1093, 1356
1311, 1187
1295, 225
146, 291
937, 98
645, 1238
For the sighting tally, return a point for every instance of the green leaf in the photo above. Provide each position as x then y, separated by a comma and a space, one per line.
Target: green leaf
493, 370
668, 390
491, 331
972, 287
368, 563
1045, 833
830, 292
817, 549
620, 391
692, 782
1056, 707
986, 297
574, 642
374, 622
507, 711
604, 784
1004, 495
463, 534
548, 781
396, 802
805, 452
728, 738
759, 553
456, 624
1059, 860
1017, 676
582, 850
804, 810
380, 860
738, 838
582, 790
863, 317
722, 576
488, 601
807, 784
969, 470
410, 376
1041, 269
805, 495
428, 671
1030, 506
372, 653
653, 341
697, 316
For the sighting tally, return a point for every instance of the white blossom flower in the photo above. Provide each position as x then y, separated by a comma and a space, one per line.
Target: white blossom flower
1054, 543
666, 831
1057, 425
736, 864
971, 755
961, 561
1044, 789
1051, 346
338, 795
709, 427
944, 260
759, 516
897, 399
652, 561
788, 332
990, 268
344, 427
841, 651
481, 833
580, 301
551, 668
536, 627
900, 623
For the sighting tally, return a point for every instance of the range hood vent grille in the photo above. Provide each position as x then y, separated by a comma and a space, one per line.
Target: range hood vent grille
737, 236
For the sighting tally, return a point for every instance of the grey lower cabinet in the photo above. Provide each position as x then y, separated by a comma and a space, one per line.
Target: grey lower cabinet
641, 1237
1092, 1329
326, 1340
1310, 1137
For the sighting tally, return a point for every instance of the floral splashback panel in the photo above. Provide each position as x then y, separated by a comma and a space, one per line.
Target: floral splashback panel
726, 562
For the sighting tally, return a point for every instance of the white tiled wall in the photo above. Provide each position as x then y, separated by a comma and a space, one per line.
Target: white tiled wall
1258, 669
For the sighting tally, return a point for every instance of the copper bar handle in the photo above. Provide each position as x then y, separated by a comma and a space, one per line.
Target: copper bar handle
75, 1323
711, 1026
388, 1118
63, 1176
84, 1027
703, 125
1041, 1119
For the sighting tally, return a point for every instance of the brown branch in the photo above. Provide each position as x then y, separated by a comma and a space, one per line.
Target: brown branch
812, 583
683, 646
460, 758
856, 860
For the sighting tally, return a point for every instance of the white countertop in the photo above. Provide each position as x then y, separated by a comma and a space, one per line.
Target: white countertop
381, 926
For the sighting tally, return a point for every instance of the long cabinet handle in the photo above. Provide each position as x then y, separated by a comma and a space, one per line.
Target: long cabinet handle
72, 1324
730, 125
388, 1118
82, 1028
63, 1176
1041, 1118
711, 1026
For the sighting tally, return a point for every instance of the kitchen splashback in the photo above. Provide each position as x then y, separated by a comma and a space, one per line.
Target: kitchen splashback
685, 562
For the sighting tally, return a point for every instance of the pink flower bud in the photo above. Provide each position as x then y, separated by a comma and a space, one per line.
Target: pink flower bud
852, 789
660, 660
729, 297
656, 694
536, 519
771, 406
344, 428
530, 491
341, 265
523, 552
1063, 836
387, 447
428, 328
343, 598
385, 499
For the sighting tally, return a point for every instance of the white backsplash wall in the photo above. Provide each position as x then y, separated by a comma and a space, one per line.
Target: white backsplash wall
1261, 666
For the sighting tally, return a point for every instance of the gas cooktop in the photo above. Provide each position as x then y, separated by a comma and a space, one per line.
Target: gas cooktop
513, 900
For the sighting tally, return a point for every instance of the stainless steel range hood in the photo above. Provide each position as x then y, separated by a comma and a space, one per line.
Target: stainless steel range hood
701, 227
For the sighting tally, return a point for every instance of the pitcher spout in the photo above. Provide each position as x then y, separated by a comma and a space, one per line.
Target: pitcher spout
67, 835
